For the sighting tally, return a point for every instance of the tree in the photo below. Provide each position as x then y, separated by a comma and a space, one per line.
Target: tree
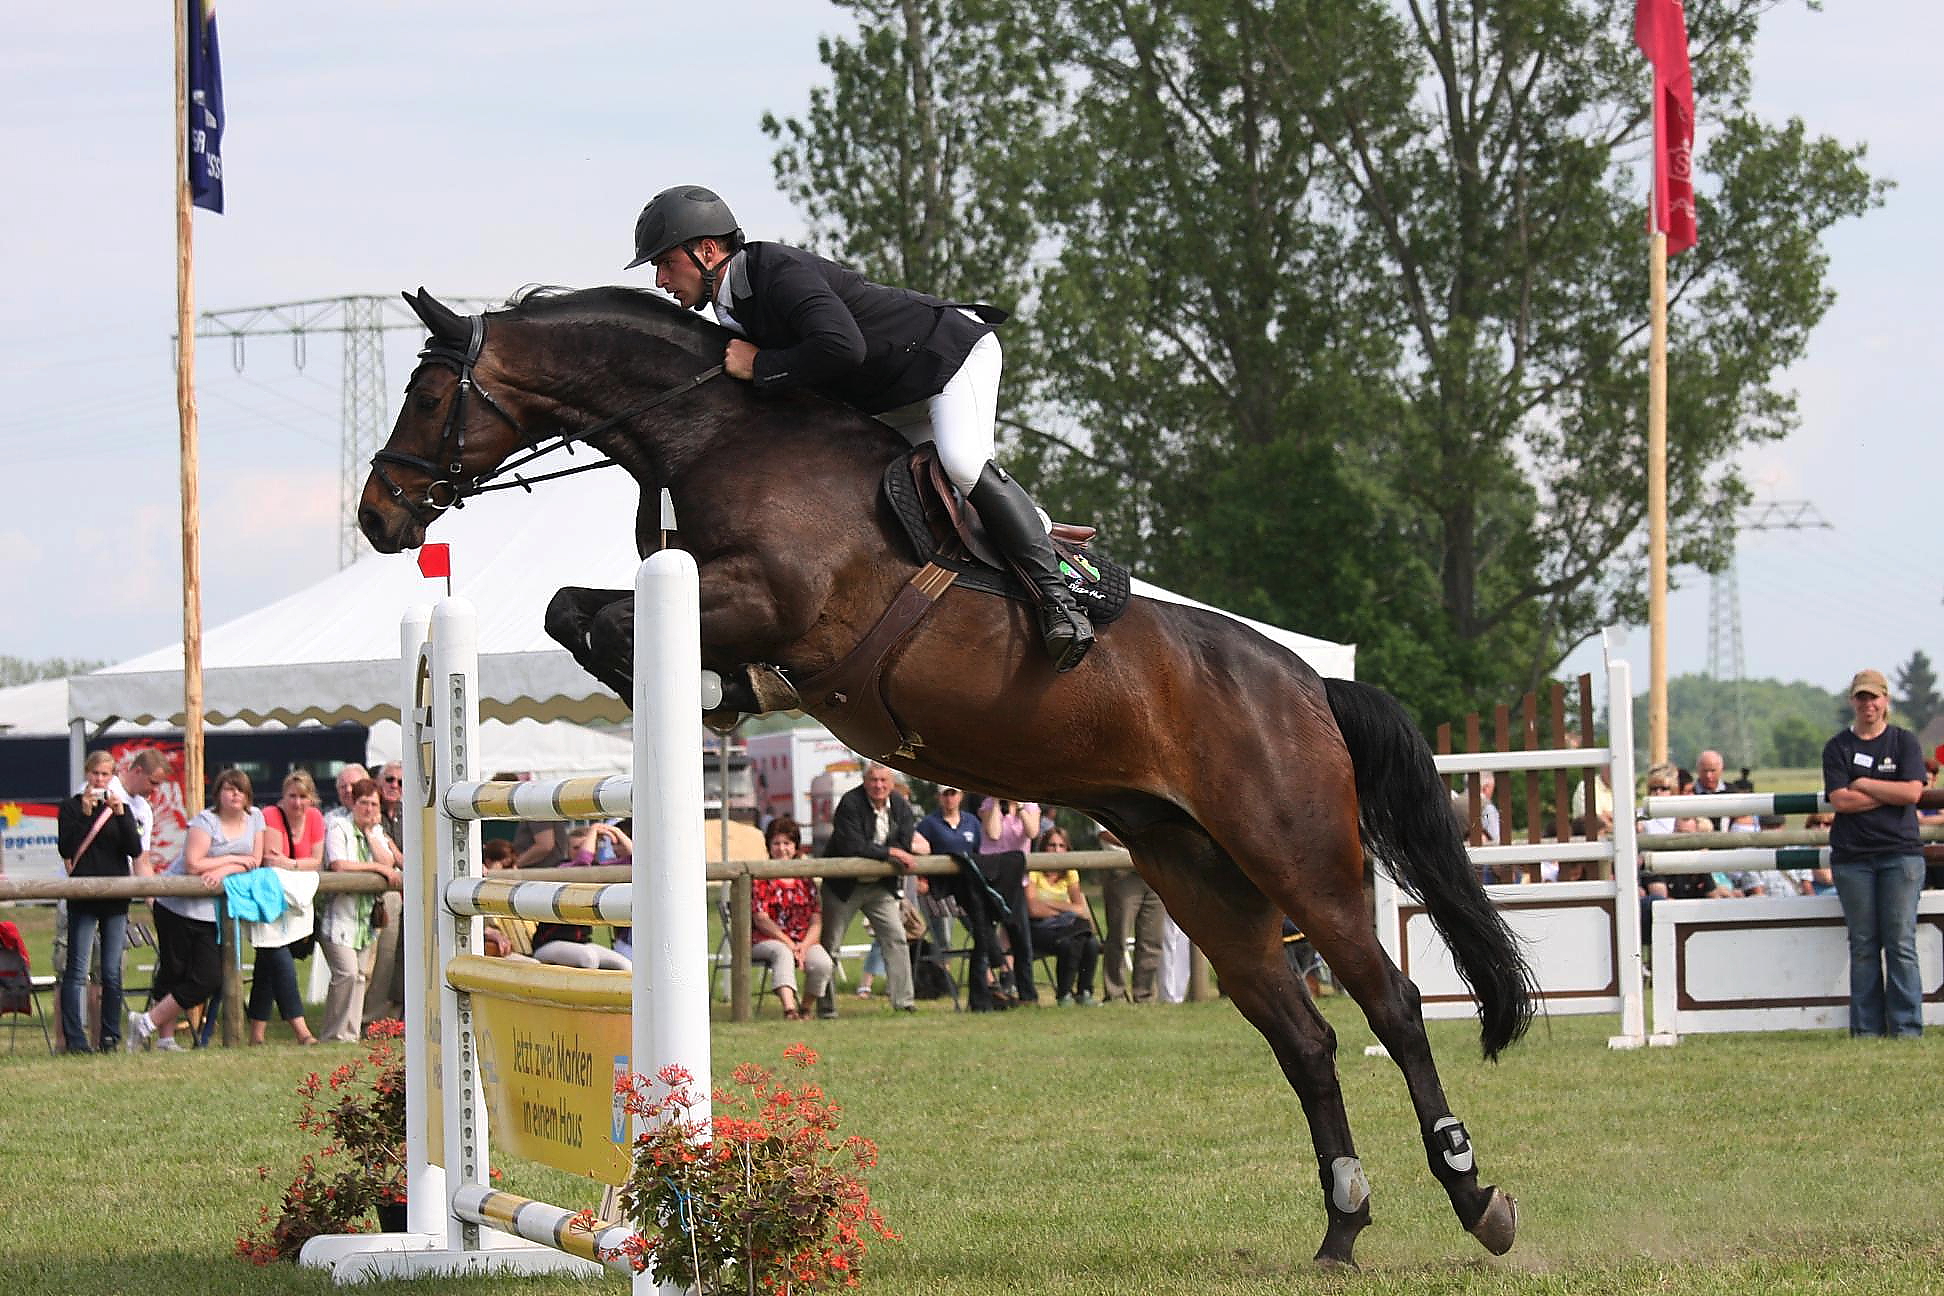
1917, 690
21, 670
1797, 743
1341, 316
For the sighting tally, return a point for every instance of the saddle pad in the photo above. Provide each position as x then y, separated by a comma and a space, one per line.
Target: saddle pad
1099, 584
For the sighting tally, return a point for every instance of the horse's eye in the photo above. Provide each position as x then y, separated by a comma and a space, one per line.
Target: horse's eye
426, 402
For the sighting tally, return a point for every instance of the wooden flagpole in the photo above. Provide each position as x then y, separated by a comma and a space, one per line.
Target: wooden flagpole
1657, 503
192, 683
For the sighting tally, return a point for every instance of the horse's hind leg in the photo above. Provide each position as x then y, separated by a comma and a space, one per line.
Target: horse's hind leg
1392, 1005
1241, 931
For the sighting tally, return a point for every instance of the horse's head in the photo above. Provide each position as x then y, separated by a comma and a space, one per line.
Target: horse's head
474, 401
451, 433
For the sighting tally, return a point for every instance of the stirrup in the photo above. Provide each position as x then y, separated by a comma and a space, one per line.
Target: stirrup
1066, 650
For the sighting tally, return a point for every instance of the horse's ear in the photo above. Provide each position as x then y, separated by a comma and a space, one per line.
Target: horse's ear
440, 319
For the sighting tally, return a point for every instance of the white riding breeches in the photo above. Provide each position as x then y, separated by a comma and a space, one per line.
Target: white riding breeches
959, 419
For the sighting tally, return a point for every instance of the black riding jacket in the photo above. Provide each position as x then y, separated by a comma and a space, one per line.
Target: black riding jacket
821, 326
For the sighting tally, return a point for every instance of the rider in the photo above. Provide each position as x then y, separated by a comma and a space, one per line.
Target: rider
926, 367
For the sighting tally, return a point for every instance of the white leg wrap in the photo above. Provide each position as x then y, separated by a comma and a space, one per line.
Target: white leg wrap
1456, 1150
1349, 1189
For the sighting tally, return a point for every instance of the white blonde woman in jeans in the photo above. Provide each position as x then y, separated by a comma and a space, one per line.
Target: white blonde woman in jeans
354, 844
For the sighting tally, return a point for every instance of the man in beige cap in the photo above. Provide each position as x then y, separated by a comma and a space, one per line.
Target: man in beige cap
1873, 773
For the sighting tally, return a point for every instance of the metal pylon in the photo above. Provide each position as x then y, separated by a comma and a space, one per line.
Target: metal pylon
1724, 607
364, 405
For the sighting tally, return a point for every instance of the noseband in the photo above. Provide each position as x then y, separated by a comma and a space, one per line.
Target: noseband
448, 484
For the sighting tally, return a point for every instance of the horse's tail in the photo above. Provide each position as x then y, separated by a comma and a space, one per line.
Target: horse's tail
1409, 829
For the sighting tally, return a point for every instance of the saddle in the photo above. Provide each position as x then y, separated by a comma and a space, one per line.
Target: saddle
849, 696
941, 531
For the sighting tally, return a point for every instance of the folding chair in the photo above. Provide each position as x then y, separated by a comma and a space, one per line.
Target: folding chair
20, 992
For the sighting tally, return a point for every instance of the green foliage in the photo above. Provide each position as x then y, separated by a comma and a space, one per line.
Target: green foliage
759, 1196
1787, 723
22, 670
358, 1115
1917, 695
1795, 742
1335, 310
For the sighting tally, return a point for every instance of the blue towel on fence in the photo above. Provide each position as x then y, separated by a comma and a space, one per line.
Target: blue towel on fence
254, 895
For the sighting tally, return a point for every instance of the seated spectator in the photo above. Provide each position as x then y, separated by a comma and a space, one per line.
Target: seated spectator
495, 856
786, 925
1602, 805
355, 843
1062, 924
293, 839
1821, 881
225, 839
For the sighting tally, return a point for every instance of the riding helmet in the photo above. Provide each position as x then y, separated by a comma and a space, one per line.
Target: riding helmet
677, 215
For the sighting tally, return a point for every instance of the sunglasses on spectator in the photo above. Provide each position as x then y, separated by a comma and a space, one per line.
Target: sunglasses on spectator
391, 778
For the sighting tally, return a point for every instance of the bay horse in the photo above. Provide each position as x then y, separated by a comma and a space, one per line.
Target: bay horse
1245, 786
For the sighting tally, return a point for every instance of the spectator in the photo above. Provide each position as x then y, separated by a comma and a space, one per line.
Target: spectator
539, 843
1008, 825
1822, 882
1602, 804
98, 836
384, 995
1873, 773
134, 787
300, 849
1662, 780
495, 856
1933, 874
573, 944
225, 839
786, 924
1708, 768
356, 843
347, 778
872, 822
1133, 909
1062, 924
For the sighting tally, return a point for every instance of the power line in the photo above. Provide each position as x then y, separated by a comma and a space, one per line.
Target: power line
1724, 604
362, 321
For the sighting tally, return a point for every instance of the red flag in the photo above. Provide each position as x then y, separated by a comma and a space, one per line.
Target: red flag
435, 560
1660, 29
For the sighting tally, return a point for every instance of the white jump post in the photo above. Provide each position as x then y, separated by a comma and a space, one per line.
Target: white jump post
456, 1222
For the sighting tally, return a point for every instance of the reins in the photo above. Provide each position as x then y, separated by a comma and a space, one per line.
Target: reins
450, 485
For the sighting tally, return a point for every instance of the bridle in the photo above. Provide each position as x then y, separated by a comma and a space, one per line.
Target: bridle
448, 484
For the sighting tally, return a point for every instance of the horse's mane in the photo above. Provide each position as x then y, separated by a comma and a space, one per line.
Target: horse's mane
635, 308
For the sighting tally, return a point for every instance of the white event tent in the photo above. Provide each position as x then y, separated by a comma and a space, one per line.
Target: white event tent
330, 653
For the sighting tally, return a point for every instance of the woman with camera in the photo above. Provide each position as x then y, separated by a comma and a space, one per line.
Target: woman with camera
97, 836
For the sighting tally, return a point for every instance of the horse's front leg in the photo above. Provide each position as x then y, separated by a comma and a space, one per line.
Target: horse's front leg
748, 615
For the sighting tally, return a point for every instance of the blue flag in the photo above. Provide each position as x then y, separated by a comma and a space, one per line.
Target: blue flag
205, 124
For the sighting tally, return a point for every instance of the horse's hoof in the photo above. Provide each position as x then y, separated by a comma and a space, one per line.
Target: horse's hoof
1336, 1264
1499, 1223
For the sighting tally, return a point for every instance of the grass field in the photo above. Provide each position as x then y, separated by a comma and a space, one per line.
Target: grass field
1120, 1149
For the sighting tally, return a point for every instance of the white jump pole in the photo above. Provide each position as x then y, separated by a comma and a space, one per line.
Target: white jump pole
454, 693
671, 960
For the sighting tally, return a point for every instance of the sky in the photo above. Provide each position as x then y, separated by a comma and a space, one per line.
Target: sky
374, 147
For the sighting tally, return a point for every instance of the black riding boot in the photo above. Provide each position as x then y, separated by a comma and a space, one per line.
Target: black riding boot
1014, 525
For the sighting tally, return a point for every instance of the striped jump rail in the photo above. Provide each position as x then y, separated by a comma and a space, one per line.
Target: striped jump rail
611, 797
1737, 804
548, 1225
608, 904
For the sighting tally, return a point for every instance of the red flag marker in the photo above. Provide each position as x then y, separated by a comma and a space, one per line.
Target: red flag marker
1660, 29
436, 560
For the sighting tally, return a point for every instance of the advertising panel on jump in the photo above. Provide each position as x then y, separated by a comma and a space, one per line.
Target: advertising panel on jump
549, 1077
